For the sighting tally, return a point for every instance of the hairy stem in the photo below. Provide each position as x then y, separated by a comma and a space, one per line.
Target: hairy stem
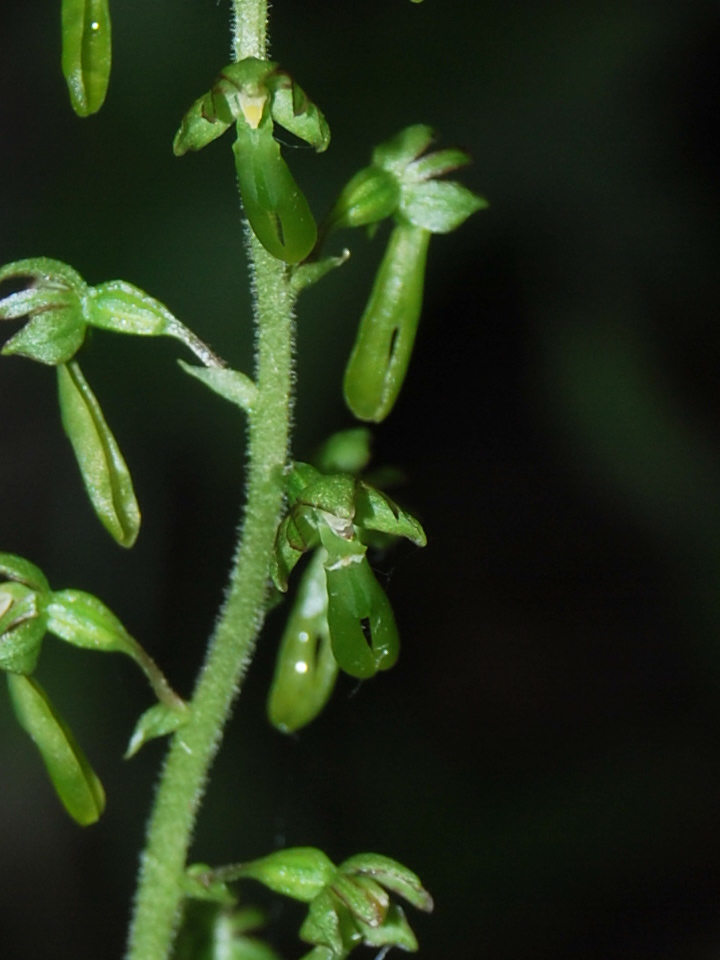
182, 784
250, 29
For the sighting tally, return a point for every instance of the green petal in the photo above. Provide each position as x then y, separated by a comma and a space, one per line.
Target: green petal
292, 109
52, 337
395, 154
392, 875
374, 510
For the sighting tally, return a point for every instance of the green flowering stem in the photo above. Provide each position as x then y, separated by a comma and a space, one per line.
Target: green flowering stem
160, 891
194, 746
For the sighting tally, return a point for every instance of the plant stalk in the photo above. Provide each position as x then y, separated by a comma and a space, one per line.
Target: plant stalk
159, 897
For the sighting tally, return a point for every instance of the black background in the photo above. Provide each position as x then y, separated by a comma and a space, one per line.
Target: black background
546, 754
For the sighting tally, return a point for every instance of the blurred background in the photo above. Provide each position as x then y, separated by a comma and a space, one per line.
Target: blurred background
546, 754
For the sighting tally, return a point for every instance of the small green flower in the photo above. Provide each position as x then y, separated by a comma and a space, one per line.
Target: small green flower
255, 94
348, 905
401, 183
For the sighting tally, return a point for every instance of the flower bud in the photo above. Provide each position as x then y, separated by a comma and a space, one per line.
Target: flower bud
86, 53
305, 670
347, 451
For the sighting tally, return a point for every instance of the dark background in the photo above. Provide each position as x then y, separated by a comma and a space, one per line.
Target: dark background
546, 754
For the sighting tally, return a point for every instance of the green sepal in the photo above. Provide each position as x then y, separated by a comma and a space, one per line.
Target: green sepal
21, 570
439, 205
374, 510
334, 495
329, 925
305, 668
33, 300
86, 53
284, 559
22, 626
298, 477
297, 534
435, 164
104, 471
293, 110
158, 721
369, 197
124, 308
396, 153
306, 274
392, 875
75, 782
301, 530
275, 206
45, 273
51, 337
380, 356
365, 899
356, 604
347, 451
197, 129
298, 872
234, 386
199, 883
394, 931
